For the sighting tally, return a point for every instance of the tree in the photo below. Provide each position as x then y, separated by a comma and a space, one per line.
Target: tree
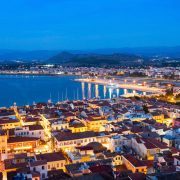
169, 91
145, 108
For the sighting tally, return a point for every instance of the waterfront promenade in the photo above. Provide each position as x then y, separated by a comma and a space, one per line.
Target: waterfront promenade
116, 84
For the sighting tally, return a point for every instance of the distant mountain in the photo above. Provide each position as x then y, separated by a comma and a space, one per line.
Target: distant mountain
54, 55
40, 55
61, 57
94, 59
142, 51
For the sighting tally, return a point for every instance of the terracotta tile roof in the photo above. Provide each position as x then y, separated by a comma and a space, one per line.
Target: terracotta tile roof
8, 121
135, 162
49, 157
8, 163
84, 148
148, 163
21, 139
35, 127
149, 145
158, 144
100, 168
38, 163
66, 136
137, 176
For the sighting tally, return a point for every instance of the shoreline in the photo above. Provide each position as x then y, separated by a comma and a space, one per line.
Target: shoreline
124, 86
30, 74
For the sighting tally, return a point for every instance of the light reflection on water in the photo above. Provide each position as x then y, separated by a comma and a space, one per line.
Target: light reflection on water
28, 89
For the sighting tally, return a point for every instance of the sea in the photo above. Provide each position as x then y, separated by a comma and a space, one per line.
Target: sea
28, 89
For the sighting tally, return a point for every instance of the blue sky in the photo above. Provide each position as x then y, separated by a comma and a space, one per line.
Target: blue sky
88, 24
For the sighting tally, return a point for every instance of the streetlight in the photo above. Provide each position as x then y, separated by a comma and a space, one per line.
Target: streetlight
169, 85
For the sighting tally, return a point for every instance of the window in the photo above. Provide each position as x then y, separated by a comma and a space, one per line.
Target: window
49, 166
43, 175
43, 167
57, 165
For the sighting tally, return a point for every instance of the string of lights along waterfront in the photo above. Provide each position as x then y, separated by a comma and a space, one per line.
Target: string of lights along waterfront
24, 90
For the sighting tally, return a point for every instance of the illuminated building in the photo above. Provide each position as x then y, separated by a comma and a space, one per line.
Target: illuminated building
22, 144
55, 160
133, 164
77, 126
3, 144
158, 116
96, 123
8, 123
36, 131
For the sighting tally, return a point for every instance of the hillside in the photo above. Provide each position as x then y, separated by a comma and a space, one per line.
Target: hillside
94, 59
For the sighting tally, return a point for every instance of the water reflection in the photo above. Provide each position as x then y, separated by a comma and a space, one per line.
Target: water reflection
104, 91
83, 92
89, 90
96, 90
110, 93
117, 92
24, 90
125, 91
134, 91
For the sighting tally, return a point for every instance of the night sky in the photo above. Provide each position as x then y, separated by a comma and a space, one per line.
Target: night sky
88, 24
